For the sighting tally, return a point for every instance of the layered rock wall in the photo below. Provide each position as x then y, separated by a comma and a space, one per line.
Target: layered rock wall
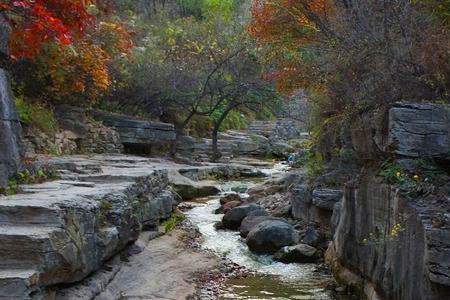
10, 129
397, 246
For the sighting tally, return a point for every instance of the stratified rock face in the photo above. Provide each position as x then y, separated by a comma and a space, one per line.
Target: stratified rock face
61, 231
408, 263
416, 130
398, 243
314, 205
10, 129
405, 130
138, 132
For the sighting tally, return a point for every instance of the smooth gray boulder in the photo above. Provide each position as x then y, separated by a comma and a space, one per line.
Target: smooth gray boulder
270, 236
301, 253
251, 221
233, 218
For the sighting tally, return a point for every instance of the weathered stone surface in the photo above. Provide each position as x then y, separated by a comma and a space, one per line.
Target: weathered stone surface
138, 132
247, 144
223, 209
326, 198
189, 189
313, 237
270, 236
229, 198
249, 222
413, 263
405, 130
301, 253
233, 218
418, 130
63, 230
281, 149
10, 129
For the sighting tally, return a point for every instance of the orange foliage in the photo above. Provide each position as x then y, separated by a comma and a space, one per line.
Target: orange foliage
287, 26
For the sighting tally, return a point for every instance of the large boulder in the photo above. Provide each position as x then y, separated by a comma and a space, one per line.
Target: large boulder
230, 197
270, 236
251, 221
301, 253
223, 209
233, 218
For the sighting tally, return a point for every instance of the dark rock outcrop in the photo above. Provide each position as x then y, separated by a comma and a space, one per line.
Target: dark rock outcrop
326, 198
10, 129
136, 134
270, 236
314, 205
233, 218
301, 253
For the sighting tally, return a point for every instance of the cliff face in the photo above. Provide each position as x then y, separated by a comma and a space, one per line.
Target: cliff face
10, 129
396, 245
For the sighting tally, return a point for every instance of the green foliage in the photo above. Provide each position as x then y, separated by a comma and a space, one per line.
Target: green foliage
29, 176
36, 115
421, 181
172, 222
315, 164
200, 126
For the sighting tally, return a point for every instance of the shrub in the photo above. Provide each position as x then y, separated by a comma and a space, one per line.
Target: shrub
36, 115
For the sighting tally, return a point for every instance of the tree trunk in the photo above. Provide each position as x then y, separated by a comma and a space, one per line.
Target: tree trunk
215, 132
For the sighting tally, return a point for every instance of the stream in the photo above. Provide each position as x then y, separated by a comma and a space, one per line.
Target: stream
268, 280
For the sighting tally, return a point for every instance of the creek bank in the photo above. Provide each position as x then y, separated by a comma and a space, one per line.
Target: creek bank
59, 232
382, 198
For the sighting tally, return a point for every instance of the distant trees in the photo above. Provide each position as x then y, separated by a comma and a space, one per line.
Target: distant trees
355, 55
201, 66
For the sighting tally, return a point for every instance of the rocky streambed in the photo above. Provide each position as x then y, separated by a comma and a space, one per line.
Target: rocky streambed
264, 278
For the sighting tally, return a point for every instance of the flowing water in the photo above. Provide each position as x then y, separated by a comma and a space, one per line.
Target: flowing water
268, 279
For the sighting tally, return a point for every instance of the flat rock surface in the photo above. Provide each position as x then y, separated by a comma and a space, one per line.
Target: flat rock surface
163, 270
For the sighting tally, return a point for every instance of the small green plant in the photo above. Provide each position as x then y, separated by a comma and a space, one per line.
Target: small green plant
172, 222
36, 115
12, 188
29, 177
376, 238
315, 164
420, 181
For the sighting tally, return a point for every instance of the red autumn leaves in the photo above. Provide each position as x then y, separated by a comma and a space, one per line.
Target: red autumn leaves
36, 22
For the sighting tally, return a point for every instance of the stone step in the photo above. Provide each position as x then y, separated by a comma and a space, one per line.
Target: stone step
27, 246
18, 284
13, 214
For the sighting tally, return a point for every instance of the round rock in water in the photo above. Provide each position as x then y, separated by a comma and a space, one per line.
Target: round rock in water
270, 236
233, 218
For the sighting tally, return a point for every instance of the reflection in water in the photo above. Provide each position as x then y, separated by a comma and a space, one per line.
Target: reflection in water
269, 279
